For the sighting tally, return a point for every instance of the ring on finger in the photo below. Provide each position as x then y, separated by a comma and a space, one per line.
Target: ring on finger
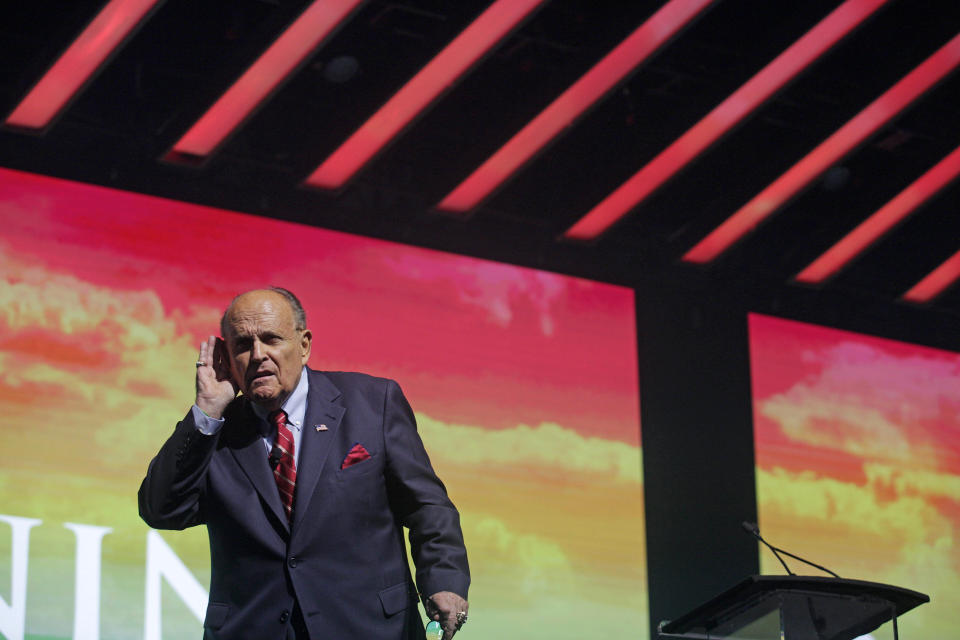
201, 363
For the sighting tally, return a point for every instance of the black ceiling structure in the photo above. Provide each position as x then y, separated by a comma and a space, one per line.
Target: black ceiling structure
118, 129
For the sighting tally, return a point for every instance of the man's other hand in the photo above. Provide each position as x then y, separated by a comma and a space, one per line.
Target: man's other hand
444, 607
215, 386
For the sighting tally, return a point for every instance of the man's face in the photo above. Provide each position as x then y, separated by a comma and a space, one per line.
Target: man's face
267, 351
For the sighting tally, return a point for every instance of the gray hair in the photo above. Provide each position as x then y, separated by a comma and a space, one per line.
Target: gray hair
299, 315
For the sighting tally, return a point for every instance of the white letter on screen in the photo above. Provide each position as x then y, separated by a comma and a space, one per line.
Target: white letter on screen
86, 600
163, 562
13, 614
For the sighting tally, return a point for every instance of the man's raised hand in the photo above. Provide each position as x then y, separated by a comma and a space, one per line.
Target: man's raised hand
215, 386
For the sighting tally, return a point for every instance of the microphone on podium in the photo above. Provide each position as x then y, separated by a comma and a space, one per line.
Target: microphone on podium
754, 530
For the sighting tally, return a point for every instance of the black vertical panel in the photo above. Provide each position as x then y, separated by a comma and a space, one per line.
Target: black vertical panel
697, 445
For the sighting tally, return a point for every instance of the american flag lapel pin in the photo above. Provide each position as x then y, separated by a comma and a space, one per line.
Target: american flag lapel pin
321, 427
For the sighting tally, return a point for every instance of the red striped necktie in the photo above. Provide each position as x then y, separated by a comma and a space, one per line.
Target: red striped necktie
285, 473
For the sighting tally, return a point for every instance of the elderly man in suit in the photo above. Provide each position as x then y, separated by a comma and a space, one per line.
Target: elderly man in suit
305, 481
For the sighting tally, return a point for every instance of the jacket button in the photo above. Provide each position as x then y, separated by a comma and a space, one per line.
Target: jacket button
292, 562
284, 616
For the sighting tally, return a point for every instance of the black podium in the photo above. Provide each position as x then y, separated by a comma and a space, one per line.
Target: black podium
795, 608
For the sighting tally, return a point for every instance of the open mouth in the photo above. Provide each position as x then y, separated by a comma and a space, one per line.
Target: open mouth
260, 375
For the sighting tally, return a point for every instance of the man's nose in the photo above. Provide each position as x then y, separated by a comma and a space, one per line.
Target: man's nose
256, 353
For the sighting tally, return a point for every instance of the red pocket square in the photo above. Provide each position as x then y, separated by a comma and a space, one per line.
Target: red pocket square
357, 454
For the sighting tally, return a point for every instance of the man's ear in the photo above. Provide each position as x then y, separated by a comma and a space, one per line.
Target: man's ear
223, 348
306, 341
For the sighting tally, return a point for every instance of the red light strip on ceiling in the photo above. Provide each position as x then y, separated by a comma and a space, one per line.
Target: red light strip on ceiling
884, 219
741, 103
105, 33
480, 36
275, 65
936, 282
572, 103
828, 152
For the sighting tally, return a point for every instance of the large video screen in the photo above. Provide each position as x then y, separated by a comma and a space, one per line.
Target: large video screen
524, 384
858, 461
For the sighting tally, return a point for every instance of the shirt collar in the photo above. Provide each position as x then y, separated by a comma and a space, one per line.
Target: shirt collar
295, 405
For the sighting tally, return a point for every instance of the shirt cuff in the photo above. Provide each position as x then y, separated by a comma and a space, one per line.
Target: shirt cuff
205, 424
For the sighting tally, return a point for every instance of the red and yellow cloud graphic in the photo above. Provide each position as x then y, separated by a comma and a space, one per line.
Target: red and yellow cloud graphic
858, 458
524, 384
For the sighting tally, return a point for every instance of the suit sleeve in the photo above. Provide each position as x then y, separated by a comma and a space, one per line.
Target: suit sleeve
419, 501
171, 494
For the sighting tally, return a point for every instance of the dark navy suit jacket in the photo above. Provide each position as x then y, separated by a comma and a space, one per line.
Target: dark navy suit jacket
343, 560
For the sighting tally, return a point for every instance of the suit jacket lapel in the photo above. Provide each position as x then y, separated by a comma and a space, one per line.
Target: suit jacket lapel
323, 410
252, 458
